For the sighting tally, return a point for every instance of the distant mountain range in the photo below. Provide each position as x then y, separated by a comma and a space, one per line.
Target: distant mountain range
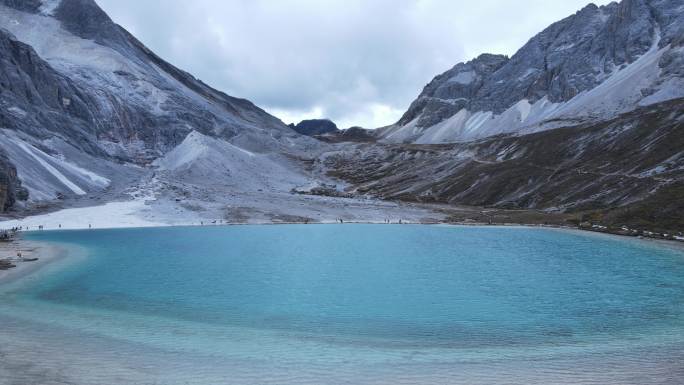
585, 118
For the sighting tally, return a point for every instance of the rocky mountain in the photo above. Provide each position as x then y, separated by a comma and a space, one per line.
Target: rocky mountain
109, 93
349, 135
590, 67
585, 121
85, 107
619, 164
326, 131
313, 127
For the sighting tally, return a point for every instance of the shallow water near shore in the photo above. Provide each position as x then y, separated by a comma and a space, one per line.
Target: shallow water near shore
347, 304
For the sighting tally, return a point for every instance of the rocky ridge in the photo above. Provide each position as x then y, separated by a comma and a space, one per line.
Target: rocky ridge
632, 165
592, 66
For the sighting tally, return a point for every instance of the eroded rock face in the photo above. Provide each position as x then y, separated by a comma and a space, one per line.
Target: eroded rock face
10, 185
567, 59
105, 91
453, 90
37, 100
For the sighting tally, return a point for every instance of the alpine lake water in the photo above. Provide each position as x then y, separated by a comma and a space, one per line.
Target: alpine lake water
346, 304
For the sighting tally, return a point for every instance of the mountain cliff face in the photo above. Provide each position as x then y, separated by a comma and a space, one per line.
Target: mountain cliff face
83, 103
589, 67
123, 99
10, 185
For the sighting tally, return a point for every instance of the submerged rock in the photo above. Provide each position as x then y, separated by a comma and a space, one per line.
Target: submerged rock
6, 265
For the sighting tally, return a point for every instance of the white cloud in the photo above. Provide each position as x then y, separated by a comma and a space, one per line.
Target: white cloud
358, 62
296, 116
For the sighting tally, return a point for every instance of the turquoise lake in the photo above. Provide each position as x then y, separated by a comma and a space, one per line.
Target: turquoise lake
348, 304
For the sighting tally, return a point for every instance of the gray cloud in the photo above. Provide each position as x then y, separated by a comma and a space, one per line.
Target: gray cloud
356, 62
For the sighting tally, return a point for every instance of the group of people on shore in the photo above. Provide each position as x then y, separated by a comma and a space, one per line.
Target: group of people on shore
8, 235
388, 221
17, 229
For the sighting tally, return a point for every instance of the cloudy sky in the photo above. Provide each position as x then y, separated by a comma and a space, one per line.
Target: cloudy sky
358, 62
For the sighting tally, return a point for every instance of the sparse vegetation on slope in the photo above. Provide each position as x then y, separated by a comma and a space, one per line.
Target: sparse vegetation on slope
630, 169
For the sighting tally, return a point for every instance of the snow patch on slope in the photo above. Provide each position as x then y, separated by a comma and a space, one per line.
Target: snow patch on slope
48, 7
